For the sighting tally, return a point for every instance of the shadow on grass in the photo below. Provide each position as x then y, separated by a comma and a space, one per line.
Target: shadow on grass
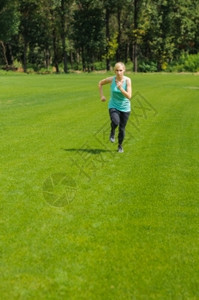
92, 151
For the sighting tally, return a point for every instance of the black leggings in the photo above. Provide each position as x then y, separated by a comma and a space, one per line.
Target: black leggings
118, 118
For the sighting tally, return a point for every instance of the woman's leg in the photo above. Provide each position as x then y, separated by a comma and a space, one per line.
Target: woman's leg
123, 121
115, 120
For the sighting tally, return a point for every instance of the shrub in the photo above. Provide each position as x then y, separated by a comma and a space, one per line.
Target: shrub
147, 66
192, 63
185, 63
100, 65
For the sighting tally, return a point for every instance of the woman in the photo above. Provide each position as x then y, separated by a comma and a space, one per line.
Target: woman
119, 103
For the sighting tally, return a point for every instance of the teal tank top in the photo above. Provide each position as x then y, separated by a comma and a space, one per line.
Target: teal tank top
118, 100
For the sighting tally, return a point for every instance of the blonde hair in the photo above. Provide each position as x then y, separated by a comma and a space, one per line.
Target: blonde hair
119, 64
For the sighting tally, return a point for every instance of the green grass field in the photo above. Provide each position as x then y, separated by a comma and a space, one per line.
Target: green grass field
81, 221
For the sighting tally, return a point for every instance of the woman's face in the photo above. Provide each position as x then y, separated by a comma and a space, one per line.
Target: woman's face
119, 70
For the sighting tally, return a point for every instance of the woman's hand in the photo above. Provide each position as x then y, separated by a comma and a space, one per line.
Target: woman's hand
119, 84
101, 83
128, 92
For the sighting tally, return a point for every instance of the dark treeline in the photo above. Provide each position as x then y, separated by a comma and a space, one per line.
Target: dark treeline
92, 34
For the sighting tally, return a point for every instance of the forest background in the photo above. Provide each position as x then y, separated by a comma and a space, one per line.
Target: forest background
85, 35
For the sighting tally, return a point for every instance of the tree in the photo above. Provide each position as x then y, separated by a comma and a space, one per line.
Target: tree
63, 12
137, 12
109, 7
87, 32
186, 26
63, 9
32, 29
54, 32
9, 21
135, 24
159, 39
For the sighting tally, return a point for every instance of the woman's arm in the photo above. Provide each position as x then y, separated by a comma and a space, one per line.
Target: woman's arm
101, 83
128, 92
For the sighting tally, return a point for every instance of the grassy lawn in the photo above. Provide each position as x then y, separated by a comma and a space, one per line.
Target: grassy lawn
81, 221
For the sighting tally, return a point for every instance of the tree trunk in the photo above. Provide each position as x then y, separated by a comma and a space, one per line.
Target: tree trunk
47, 58
9, 54
119, 34
83, 60
107, 16
63, 35
56, 63
25, 50
135, 56
65, 57
4, 53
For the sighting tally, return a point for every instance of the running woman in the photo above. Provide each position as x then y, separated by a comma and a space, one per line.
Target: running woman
119, 103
